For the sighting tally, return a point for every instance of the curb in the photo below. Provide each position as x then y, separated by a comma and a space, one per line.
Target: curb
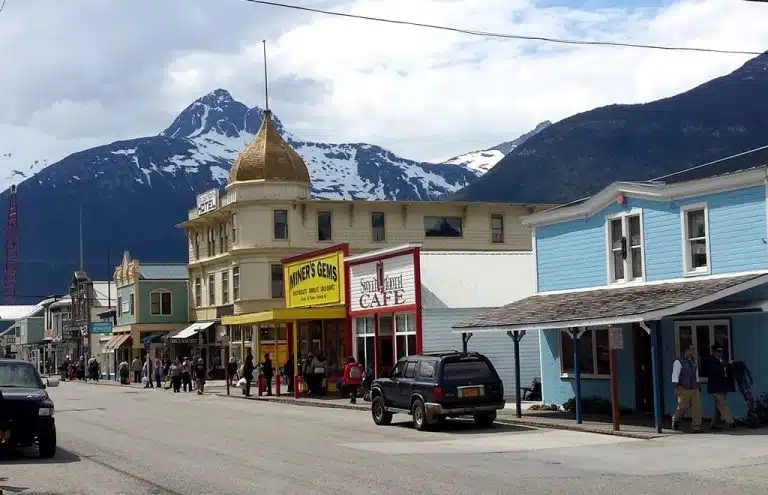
504, 421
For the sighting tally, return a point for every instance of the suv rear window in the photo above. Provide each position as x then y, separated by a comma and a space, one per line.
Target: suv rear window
466, 369
19, 375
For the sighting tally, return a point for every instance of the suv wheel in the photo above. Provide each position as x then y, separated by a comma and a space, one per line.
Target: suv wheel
485, 420
47, 445
419, 415
379, 412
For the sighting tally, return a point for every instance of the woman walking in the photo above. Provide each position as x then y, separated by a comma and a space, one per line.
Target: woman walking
174, 372
200, 376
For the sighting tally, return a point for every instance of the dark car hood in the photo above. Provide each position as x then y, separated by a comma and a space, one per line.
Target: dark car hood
11, 393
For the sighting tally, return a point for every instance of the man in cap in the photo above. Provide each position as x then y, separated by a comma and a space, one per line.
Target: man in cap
720, 382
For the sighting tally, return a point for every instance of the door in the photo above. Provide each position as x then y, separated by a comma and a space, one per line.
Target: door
386, 354
405, 384
643, 370
392, 386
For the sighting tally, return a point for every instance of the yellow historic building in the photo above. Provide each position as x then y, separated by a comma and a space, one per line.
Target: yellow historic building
237, 239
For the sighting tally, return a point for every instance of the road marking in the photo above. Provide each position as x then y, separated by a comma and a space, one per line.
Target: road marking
513, 442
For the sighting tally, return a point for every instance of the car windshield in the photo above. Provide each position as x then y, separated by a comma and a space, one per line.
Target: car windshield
475, 369
13, 375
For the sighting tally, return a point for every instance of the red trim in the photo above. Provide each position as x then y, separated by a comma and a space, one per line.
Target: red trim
376, 357
382, 257
418, 309
343, 247
347, 305
408, 308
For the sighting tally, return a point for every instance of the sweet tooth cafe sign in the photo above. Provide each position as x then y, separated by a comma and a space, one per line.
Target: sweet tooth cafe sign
383, 284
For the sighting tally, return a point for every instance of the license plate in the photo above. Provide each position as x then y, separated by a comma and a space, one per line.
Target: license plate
470, 392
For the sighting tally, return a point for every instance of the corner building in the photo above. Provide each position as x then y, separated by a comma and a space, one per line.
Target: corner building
240, 240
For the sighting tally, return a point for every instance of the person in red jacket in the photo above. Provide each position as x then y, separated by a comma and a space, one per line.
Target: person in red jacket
353, 377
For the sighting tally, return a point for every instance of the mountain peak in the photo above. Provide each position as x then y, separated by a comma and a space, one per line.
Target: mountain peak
216, 112
216, 97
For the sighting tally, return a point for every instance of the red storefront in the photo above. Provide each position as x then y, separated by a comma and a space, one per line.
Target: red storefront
384, 306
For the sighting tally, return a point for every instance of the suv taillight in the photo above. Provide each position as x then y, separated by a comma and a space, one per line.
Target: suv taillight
438, 392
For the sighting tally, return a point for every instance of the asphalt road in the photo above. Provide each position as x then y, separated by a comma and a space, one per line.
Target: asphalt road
117, 440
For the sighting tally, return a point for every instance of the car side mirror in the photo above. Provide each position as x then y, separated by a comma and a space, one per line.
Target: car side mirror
386, 374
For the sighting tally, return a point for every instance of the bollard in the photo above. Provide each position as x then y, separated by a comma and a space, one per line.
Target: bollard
261, 385
277, 385
296, 383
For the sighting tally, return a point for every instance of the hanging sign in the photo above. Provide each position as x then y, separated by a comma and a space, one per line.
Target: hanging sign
615, 338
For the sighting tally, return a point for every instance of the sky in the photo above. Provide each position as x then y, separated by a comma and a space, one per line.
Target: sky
79, 74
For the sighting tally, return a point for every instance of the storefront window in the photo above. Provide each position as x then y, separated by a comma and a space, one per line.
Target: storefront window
364, 342
405, 330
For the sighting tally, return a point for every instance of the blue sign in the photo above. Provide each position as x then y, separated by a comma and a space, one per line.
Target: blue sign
98, 327
147, 342
87, 348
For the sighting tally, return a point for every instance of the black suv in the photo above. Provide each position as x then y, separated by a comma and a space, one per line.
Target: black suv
434, 386
26, 411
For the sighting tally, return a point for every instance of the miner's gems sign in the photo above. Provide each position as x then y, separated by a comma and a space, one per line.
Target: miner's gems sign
383, 284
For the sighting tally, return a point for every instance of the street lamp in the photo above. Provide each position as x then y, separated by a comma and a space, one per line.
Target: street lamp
224, 339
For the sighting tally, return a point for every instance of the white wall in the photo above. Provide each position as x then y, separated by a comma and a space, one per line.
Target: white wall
497, 346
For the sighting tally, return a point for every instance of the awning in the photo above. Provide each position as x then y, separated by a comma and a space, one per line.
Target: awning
117, 341
609, 305
287, 315
191, 330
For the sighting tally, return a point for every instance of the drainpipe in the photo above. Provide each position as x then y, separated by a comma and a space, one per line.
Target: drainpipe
655, 373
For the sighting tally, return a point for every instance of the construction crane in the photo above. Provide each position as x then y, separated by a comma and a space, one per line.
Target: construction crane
11, 248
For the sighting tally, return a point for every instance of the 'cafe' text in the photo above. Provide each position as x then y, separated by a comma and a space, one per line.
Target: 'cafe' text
378, 293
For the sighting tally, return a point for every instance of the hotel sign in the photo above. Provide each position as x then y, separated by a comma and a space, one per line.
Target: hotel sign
317, 281
207, 201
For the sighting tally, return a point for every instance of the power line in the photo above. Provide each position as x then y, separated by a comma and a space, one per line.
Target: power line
719, 160
488, 34
2, 5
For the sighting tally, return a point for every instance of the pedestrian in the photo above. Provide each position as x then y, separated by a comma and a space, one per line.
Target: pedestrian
289, 372
148, 372
353, 377
136, 367
186, 375
685, 378
159, 373
268, 372
174, 372
719, 383
124, 372
232, 370
248, 374
200, 373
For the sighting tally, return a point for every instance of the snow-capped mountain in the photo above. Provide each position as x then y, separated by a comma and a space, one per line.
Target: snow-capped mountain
207, 136
482, 161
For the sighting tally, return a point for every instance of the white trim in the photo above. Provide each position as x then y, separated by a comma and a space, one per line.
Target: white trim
649, 191
383, 252
766, 206
710, 323
687, 270
536, 259
595, 375
656, 282
621, 320
160, 291
624, 216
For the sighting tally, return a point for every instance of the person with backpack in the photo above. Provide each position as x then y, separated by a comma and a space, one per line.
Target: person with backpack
353, 377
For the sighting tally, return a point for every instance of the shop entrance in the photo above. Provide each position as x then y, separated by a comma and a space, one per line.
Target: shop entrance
396, 339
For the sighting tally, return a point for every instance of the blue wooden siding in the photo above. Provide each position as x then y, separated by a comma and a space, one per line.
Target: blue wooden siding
737, 236
749, 343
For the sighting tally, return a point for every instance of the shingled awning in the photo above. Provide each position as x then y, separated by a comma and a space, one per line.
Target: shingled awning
608, 306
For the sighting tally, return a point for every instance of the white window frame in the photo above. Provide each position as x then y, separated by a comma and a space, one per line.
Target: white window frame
235, 286
563, 374
198, 292
132, 303
225, 292
700, 323
370, 333
688, 271
211, 293
160, 293
624, 216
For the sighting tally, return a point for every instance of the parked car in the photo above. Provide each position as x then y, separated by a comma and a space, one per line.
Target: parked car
432, 387
26, 410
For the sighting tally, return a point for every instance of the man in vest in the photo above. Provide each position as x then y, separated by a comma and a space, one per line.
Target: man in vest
685, 378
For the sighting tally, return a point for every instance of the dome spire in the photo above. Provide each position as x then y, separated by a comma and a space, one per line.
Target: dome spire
266, 79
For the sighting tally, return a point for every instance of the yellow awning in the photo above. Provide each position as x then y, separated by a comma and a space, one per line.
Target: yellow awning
287, 315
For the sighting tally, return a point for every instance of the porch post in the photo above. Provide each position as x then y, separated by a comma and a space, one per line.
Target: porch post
656, 375
516, 336
577, 373
465, 336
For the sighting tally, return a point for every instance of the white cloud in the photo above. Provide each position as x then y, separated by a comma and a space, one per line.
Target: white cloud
426, 94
